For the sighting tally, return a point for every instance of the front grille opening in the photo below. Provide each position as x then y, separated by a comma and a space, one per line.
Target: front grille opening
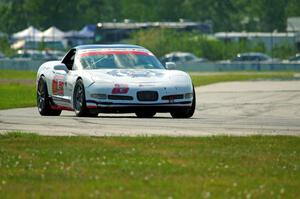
147, 96
172, 97
120, 97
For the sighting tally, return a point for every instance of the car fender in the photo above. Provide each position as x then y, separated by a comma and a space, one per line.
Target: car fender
75, 76
47, 70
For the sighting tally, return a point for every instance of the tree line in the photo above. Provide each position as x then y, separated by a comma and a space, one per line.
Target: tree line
225, 15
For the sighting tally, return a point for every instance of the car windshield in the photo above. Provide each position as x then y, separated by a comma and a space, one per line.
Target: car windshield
119, 59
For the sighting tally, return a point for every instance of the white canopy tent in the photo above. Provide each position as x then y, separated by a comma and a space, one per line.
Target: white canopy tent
30, 38
29, 33
52, 34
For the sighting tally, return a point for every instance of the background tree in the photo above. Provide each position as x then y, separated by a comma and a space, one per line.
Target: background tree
226, 15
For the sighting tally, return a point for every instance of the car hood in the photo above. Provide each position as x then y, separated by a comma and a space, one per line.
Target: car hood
140, 76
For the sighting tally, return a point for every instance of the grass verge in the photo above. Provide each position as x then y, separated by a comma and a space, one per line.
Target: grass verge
34, 166
17, 74
17, 88
210, 78
17, 95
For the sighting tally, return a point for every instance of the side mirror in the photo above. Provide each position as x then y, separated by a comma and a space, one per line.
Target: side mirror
170, 65
61, 67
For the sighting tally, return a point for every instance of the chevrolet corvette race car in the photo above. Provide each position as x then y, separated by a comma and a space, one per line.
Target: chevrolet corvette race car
93, 79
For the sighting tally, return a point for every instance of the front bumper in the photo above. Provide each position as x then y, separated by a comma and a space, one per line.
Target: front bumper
108, 104
110, 107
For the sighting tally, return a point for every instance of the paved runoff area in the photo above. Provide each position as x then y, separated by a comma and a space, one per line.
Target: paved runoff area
234, 108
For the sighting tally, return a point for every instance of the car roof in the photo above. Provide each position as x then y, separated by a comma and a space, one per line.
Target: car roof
101, 46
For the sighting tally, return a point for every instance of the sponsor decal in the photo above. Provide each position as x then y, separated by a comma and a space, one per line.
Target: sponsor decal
135, 73
120, 89
171, 99
58, 85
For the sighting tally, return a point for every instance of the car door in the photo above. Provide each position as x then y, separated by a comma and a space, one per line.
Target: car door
61, 84
59, 87
71, 76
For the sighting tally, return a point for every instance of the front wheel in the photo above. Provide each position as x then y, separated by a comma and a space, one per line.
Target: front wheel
79, 101
185, 113
43, 101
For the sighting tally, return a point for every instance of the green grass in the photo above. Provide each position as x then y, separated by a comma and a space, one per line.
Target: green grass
34, 166
17, 74
16, 95
16, 91
210, 78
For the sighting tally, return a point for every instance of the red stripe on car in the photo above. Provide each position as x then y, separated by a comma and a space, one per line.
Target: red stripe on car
92, 107
58, 107
111, 52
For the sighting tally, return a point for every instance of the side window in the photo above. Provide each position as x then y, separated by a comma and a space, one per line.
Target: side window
257, 58
262, 58
237, 59
175, 59
246, 58
188, 58
68, 60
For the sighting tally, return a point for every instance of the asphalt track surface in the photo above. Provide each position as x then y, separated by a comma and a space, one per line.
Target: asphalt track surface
234, 108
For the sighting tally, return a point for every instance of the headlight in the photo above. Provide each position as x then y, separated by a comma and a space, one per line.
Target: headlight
188, 95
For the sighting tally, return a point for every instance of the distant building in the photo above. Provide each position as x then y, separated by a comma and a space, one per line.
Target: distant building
293, 24
269, 39
113, 32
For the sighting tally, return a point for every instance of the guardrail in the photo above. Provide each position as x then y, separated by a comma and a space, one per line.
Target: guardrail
20, 64
205, 66
219, 67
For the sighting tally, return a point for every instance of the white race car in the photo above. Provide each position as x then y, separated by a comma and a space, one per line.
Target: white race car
94, 79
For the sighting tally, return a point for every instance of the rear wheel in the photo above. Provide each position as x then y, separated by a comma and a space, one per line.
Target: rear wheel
79, 101
43, 101
185, 113
145, 114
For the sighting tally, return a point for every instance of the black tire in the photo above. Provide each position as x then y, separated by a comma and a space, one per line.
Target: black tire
188, 112
43, 101
145, 114
79, 101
